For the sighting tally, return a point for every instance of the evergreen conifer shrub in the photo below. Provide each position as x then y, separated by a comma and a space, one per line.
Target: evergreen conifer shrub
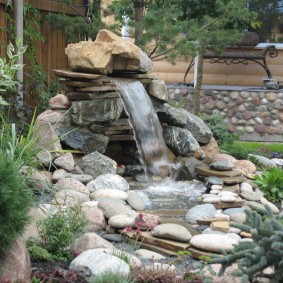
265, 251
15, 202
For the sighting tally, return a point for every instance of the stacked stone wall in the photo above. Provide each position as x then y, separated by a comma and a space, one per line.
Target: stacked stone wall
258, 114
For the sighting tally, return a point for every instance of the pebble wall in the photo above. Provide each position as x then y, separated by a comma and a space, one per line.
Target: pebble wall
258, 114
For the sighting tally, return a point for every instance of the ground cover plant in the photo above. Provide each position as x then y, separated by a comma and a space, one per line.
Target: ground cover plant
57, 232
270, 182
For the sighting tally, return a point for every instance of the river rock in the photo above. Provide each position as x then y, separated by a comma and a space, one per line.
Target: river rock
214, 199
59, 174
254, 205
180, 141
220, 157
70, 197
82, 139
54, 117
71, 184
253, 196
211, 180
66, 161
158, 89
94, 262
171, 231
201, 211
108, 54
213, 242
108, 193
228, 198
230, 211
112, 207
222, 165
90, 241
277, 161
246, 188
96, 164
238, 217
148, 255
83, 178
135, 201
146, 221
216, 187
95, 218
210, 150
272, 206
15, 264
245, 166
117, 238
214, 192
59, 101
264, 160
122, 220
108, 181
47, 142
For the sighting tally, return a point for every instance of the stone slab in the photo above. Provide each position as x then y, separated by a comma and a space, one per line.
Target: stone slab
233, 180
238, 203
222, 226
147, 238
245, 235
75, 83
204, 170
208, 221
232, 188
76, 75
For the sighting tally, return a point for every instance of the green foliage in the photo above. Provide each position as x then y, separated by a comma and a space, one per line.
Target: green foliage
15, 202
182, 28
236, 150
262, 148
266, 249
77, 28
112, 277
16, 146
9, 66
38, 253
271, 184
60, 229
122, 255
219, 129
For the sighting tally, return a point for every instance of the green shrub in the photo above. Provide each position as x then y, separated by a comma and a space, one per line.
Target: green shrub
60, 229
219, 129
38, 253
266, 249
271, 183
15, 202
236, 150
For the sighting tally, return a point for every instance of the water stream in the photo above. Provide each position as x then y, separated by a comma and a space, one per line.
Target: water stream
166, 194
146, 127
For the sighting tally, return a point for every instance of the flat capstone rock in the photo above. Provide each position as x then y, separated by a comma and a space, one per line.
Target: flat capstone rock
222, 165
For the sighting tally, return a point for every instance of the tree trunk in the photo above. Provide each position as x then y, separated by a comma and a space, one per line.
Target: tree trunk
139, 6
198, 84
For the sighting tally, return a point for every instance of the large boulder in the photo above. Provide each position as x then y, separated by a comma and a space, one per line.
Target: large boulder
15, 264
108, 54
96, 164
180, 141
102, 110
82, 139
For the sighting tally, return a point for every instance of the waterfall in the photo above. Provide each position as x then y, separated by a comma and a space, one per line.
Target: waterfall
146, 127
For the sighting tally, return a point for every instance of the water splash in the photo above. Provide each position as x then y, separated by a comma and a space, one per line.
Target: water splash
146, 127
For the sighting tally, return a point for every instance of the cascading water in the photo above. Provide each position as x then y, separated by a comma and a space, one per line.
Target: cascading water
166, 194
146, 127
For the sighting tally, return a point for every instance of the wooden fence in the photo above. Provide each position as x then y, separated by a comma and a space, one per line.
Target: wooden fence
50, 53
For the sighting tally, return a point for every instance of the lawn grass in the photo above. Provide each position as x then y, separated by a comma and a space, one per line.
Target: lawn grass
257, 147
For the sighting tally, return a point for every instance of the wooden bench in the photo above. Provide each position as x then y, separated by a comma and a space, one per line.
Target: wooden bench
240, 55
